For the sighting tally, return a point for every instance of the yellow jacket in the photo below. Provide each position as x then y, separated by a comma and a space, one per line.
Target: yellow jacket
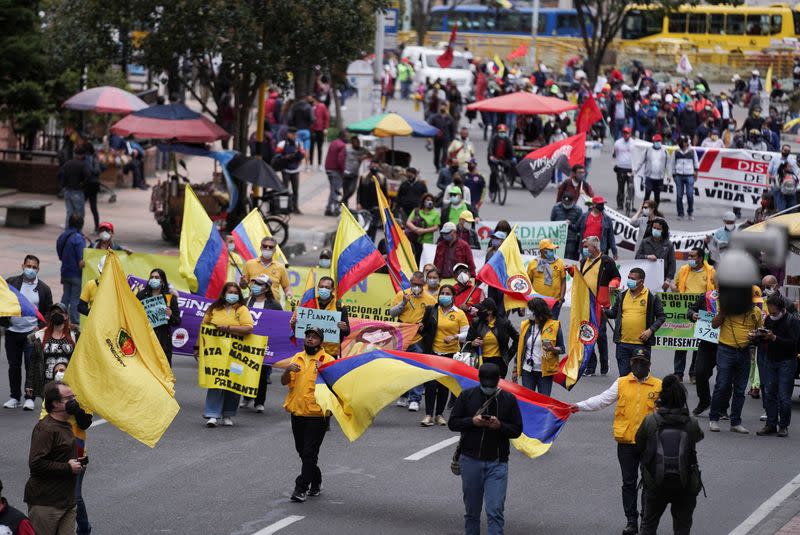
683, 274
549, 334
300, 399
635, 400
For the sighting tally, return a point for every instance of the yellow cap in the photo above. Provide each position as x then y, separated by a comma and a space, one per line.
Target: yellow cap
467, 216
547, 244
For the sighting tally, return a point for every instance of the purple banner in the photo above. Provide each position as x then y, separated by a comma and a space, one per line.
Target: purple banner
273, 324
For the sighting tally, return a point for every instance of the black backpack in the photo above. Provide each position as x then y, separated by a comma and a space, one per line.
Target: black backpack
674, 457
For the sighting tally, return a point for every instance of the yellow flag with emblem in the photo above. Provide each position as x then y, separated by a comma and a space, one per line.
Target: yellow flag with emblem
118, 368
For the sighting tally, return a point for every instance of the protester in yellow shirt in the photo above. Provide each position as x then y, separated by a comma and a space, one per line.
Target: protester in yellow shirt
235, 261
548, 274
264, 265
309, 422
408, 306
326, 300
432, 281
89, 290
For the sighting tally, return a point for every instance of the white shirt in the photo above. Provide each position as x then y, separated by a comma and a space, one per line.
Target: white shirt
726, 109
533, 351
622, 152
602, 400
710, 143
26, 324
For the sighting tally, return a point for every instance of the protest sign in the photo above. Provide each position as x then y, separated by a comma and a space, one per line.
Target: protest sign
703, 329
529, 233
156, 309
677, 332
230, 362
366, 335
327, 320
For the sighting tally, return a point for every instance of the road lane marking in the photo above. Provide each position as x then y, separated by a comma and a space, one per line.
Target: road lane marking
432, 449
280, 524
101, 421
767, 507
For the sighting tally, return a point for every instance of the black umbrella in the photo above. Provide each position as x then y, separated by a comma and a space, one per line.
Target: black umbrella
255, 171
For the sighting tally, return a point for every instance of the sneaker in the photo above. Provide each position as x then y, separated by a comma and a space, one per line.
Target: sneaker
587, 373
763, 417
28, 405
724, 416
699, 410
259, 408
440, 420
211, 422
713, 426
680, 217
402, 402
227, 422
739, 429
315, 491
244, 402
691, 217
631, 529
767, 430
413, 406
427, 421
603, 374
298, 496
11, 404
783, 432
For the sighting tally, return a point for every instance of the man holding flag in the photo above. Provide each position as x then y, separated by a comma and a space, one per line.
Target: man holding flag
325, 299
399, 254
266, 265
354, 254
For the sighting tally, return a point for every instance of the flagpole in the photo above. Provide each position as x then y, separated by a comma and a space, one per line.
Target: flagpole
534, 32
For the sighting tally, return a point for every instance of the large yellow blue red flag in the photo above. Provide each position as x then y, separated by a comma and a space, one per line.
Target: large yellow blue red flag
399, 254
248, 235
118, 367
504, 270
309, 297
356, 388
354, 254
13, 303
584, 329
203, 253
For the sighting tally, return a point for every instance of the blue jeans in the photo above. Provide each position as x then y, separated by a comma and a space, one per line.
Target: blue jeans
71, 297
304, 137
761, 361
624, 354
82, 518
733, 370
779, 377
619, 124
483, 482
74, 200
220, 403
684, 183
536, 382
415, 394
782, 202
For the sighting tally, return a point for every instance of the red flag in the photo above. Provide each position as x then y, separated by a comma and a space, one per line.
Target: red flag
538, 167
588, 115
446, 59
520, 52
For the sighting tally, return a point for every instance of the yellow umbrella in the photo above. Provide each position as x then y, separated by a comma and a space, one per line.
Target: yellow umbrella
790, 221
789, 124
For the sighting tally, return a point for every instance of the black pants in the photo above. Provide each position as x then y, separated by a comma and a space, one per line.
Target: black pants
308, 431
90, 192
653, 185
705, 363
317, 140
435, 398
439, 151
629, 458
602, 348
18, 351
680, 363
348, 187
293, 180
655, 503
622, 185
261, 395
501, 363
135, 166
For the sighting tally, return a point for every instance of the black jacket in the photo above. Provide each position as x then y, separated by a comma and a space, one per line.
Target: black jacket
45, 297
787, 337
663, 249
409, 195
481, 442
503, 331
646, 439
164, 332
655, 315
430, 322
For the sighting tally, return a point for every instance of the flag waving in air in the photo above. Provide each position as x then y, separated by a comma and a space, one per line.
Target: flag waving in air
118, 368
354, 254
538, 167
584, 328
588, 115
399, 254
13, 303
446, 58
203, 254
248, 235
309, 297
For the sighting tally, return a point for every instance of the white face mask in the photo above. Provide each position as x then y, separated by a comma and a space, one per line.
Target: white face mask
645, 211
231, 247
59, 377
730, 227
105, 236
266, 254
463, 277
776, 317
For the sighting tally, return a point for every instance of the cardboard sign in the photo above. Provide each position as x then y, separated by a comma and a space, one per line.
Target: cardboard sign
327, 320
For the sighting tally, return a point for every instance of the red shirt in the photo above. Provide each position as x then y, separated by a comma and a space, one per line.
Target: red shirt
594, 225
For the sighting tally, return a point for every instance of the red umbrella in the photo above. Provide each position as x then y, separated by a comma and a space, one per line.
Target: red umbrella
524, 104
173, 122
105, 99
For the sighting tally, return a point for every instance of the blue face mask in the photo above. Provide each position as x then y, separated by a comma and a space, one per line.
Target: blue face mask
656, 233
656, 145
30, 273
445, 300
631, 284
455, 199
585, 251
324, 262
692, 263
232, 298
550, 254
256, 289
154, 283
324, 293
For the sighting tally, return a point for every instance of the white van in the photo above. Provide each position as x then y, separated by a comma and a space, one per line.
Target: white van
424, 62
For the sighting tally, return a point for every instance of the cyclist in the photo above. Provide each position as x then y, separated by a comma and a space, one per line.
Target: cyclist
624, 168
501, 153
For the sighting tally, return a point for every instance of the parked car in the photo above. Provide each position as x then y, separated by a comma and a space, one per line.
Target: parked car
425, 67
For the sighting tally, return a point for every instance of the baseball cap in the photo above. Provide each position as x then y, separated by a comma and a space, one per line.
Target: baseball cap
460, 266
61, 306
454, 190
105, 225
729, 216
499, 234
263, 279
547, 243
502, 128
657, 137
467, 216
315, 330
598, 199
411, 171
627, 130
447, 228
567, 196
642, 354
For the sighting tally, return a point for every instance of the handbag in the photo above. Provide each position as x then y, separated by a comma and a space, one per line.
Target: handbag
466, 357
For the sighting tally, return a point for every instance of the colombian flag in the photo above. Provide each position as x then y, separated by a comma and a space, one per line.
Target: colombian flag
13, 303
248, 235
203, 254
354, 254
309, 298
584, 328
399, 254
356, 388
504, 271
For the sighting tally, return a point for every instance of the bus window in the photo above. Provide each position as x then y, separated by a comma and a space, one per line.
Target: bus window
716, 24
777, 24
697, 23
734, 24
565, 23
677, 23
757, 24
437, 22
542, 24
796, 19
642, 23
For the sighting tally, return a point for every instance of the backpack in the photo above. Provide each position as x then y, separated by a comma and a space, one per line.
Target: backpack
672, 458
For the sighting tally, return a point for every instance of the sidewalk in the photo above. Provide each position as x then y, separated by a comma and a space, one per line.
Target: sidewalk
783, 519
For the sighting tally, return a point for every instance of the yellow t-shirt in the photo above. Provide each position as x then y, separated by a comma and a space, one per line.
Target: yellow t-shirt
300, 399
413, 315
696, 282
634, 317
450, 323
274, 270
89, 291
490, 346
537, 278
228, 316
734, 329
235, 267
592, 274
331, 348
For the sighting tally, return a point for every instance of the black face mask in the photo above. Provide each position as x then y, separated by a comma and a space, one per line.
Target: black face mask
71, 407
311, 350
57, 319
640, 369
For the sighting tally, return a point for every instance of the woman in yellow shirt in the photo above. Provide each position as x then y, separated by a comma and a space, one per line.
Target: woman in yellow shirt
444, 327
493, 336
229, 314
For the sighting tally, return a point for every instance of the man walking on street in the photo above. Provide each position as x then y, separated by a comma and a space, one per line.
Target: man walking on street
654, 169
291, 155
334, 168
623, 168
72, 177
487, 419
70, 246
683, 165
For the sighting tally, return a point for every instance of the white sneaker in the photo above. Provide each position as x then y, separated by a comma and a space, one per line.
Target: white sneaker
211, 422
259, 408
227, 422
763, 417
244, 402
28, 406
402, 402
413, 406
713, 426
739, 429
11, 404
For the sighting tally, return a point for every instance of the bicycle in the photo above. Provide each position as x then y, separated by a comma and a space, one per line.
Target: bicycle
502, 181
628, 191
275, 215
